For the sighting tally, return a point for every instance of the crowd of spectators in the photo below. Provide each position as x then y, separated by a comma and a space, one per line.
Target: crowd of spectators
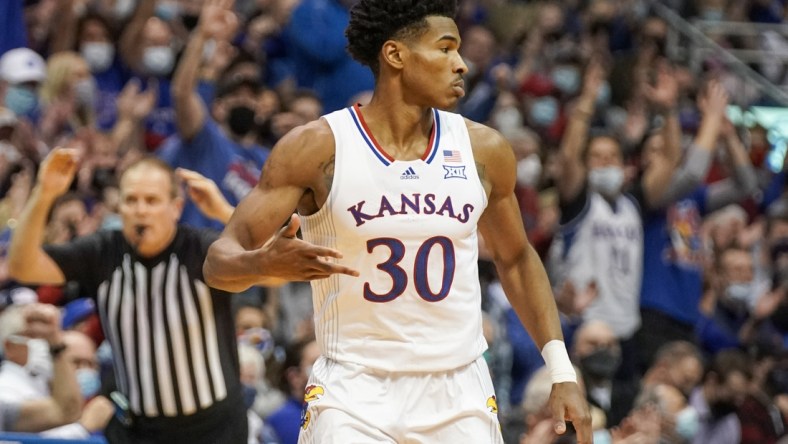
690, 347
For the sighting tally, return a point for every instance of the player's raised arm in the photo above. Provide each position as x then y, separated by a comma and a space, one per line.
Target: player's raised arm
253, 248
523, 276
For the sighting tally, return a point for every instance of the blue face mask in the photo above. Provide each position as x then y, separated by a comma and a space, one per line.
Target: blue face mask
22, 101
566, 79
544, 111
89, 382
248, 394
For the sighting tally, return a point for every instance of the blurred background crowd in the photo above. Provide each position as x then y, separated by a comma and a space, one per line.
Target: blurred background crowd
696, 353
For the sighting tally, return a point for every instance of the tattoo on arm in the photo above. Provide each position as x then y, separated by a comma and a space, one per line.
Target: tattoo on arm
327, 168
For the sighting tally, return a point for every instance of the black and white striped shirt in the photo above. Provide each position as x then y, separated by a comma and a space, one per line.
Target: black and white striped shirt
172, 337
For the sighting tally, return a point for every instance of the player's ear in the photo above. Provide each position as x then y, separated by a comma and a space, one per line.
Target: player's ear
393, 53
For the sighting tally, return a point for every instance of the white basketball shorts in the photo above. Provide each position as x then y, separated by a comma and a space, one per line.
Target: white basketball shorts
351, 404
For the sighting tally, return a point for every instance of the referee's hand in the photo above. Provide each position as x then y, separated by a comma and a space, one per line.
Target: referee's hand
567, 403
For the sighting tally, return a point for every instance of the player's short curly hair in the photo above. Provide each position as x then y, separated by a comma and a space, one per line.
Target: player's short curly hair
372, 22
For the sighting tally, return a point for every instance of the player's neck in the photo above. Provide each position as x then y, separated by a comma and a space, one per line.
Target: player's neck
398, 126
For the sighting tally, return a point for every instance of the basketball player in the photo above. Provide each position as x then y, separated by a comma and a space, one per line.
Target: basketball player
399, 187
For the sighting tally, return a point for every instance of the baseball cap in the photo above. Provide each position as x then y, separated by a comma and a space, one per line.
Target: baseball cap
77, 311
22, 65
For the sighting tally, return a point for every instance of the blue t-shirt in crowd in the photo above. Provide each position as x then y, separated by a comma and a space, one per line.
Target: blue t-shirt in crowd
160, 124
673, 255
286, 421
235, 168
13, 33
110, 83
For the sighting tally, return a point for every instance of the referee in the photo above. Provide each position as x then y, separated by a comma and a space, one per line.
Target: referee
172, 337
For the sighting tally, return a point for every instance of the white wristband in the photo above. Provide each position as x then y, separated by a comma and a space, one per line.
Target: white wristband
558, 364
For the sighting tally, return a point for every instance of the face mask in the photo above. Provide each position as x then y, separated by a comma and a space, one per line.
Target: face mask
739, 291
602, 437
544, 111
601, 364
687, 423
124, 8
616, 118
167, 10
529, 170
98, 55
158, 60
9, 152
603, 95
39, 361
566, 79
89, 382
20, 100
722, 408
507, 118
85, 92
259, 338
606, 181
248, 394
241, 120
190, 21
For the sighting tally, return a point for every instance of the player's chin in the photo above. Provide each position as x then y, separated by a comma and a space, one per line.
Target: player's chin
448, 103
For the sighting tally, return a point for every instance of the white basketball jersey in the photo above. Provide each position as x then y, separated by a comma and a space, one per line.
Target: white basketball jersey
409, 228
605, 244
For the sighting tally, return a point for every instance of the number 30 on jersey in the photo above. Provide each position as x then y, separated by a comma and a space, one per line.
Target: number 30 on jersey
399, 276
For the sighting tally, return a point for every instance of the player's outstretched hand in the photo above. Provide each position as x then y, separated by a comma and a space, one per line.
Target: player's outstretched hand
288, 258
567, 403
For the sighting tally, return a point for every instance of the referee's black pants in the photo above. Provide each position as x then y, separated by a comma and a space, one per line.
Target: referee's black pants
223, 423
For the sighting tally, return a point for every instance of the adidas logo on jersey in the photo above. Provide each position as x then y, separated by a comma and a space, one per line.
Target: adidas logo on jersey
410, 173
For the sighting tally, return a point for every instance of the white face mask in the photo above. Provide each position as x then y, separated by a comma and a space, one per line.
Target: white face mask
606, 181
529, 170
85, 92
98, 55
124, 8
566, 79
507, 118
544, 111
158, 60
687, 423
39, 360
739, 291
9, 152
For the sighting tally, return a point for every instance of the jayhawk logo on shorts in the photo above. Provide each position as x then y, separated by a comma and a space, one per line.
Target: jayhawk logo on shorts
305, 417
313, 393
492, 405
